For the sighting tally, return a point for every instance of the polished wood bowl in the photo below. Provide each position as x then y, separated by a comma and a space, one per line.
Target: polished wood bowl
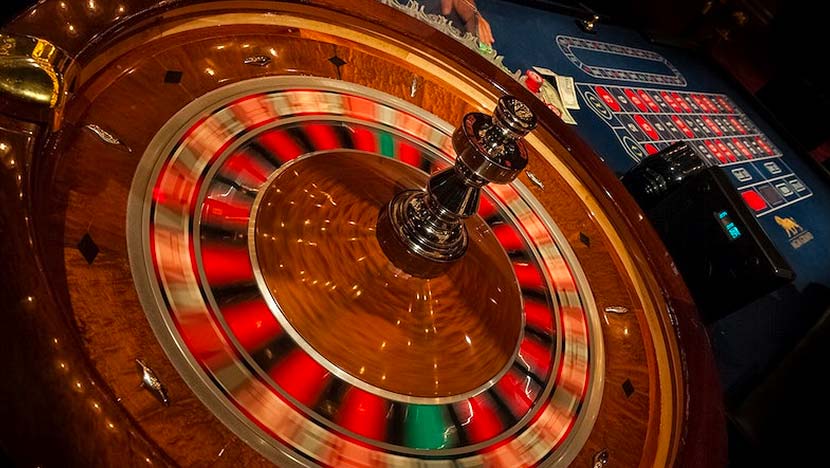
427, 337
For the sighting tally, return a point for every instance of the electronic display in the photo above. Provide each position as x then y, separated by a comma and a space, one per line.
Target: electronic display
729, 227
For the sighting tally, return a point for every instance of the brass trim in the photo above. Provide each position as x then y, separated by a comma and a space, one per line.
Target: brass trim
33, 70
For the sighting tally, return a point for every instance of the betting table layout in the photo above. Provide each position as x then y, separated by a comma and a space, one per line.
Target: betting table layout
637, 98
647, 120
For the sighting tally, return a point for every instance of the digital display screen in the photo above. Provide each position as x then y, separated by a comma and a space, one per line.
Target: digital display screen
729, 227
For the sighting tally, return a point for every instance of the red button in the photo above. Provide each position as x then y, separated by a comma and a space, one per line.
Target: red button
753, 200
608, 99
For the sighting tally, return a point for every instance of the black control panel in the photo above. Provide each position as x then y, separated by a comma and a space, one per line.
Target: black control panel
719, 248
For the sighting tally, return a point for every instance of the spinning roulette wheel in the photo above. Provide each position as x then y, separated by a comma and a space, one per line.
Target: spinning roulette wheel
199, 197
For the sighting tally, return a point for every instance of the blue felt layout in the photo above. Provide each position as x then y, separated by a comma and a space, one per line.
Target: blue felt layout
528, 37
791, 200
602, 59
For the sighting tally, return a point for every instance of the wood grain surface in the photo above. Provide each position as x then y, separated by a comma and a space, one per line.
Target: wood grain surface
423, 337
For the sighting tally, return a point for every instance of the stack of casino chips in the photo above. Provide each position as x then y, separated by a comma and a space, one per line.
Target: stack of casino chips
535, 83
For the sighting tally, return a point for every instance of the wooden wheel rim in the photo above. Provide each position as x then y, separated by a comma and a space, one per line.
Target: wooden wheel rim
570, 436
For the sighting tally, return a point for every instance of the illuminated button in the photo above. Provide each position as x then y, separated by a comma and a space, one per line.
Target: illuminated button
753, 200
797, 185
772, 167
728, 225
784, 189
741, 174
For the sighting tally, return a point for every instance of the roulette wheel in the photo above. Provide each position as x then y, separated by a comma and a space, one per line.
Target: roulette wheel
203, 200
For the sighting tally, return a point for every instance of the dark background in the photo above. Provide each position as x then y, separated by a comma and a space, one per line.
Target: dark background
10, 8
